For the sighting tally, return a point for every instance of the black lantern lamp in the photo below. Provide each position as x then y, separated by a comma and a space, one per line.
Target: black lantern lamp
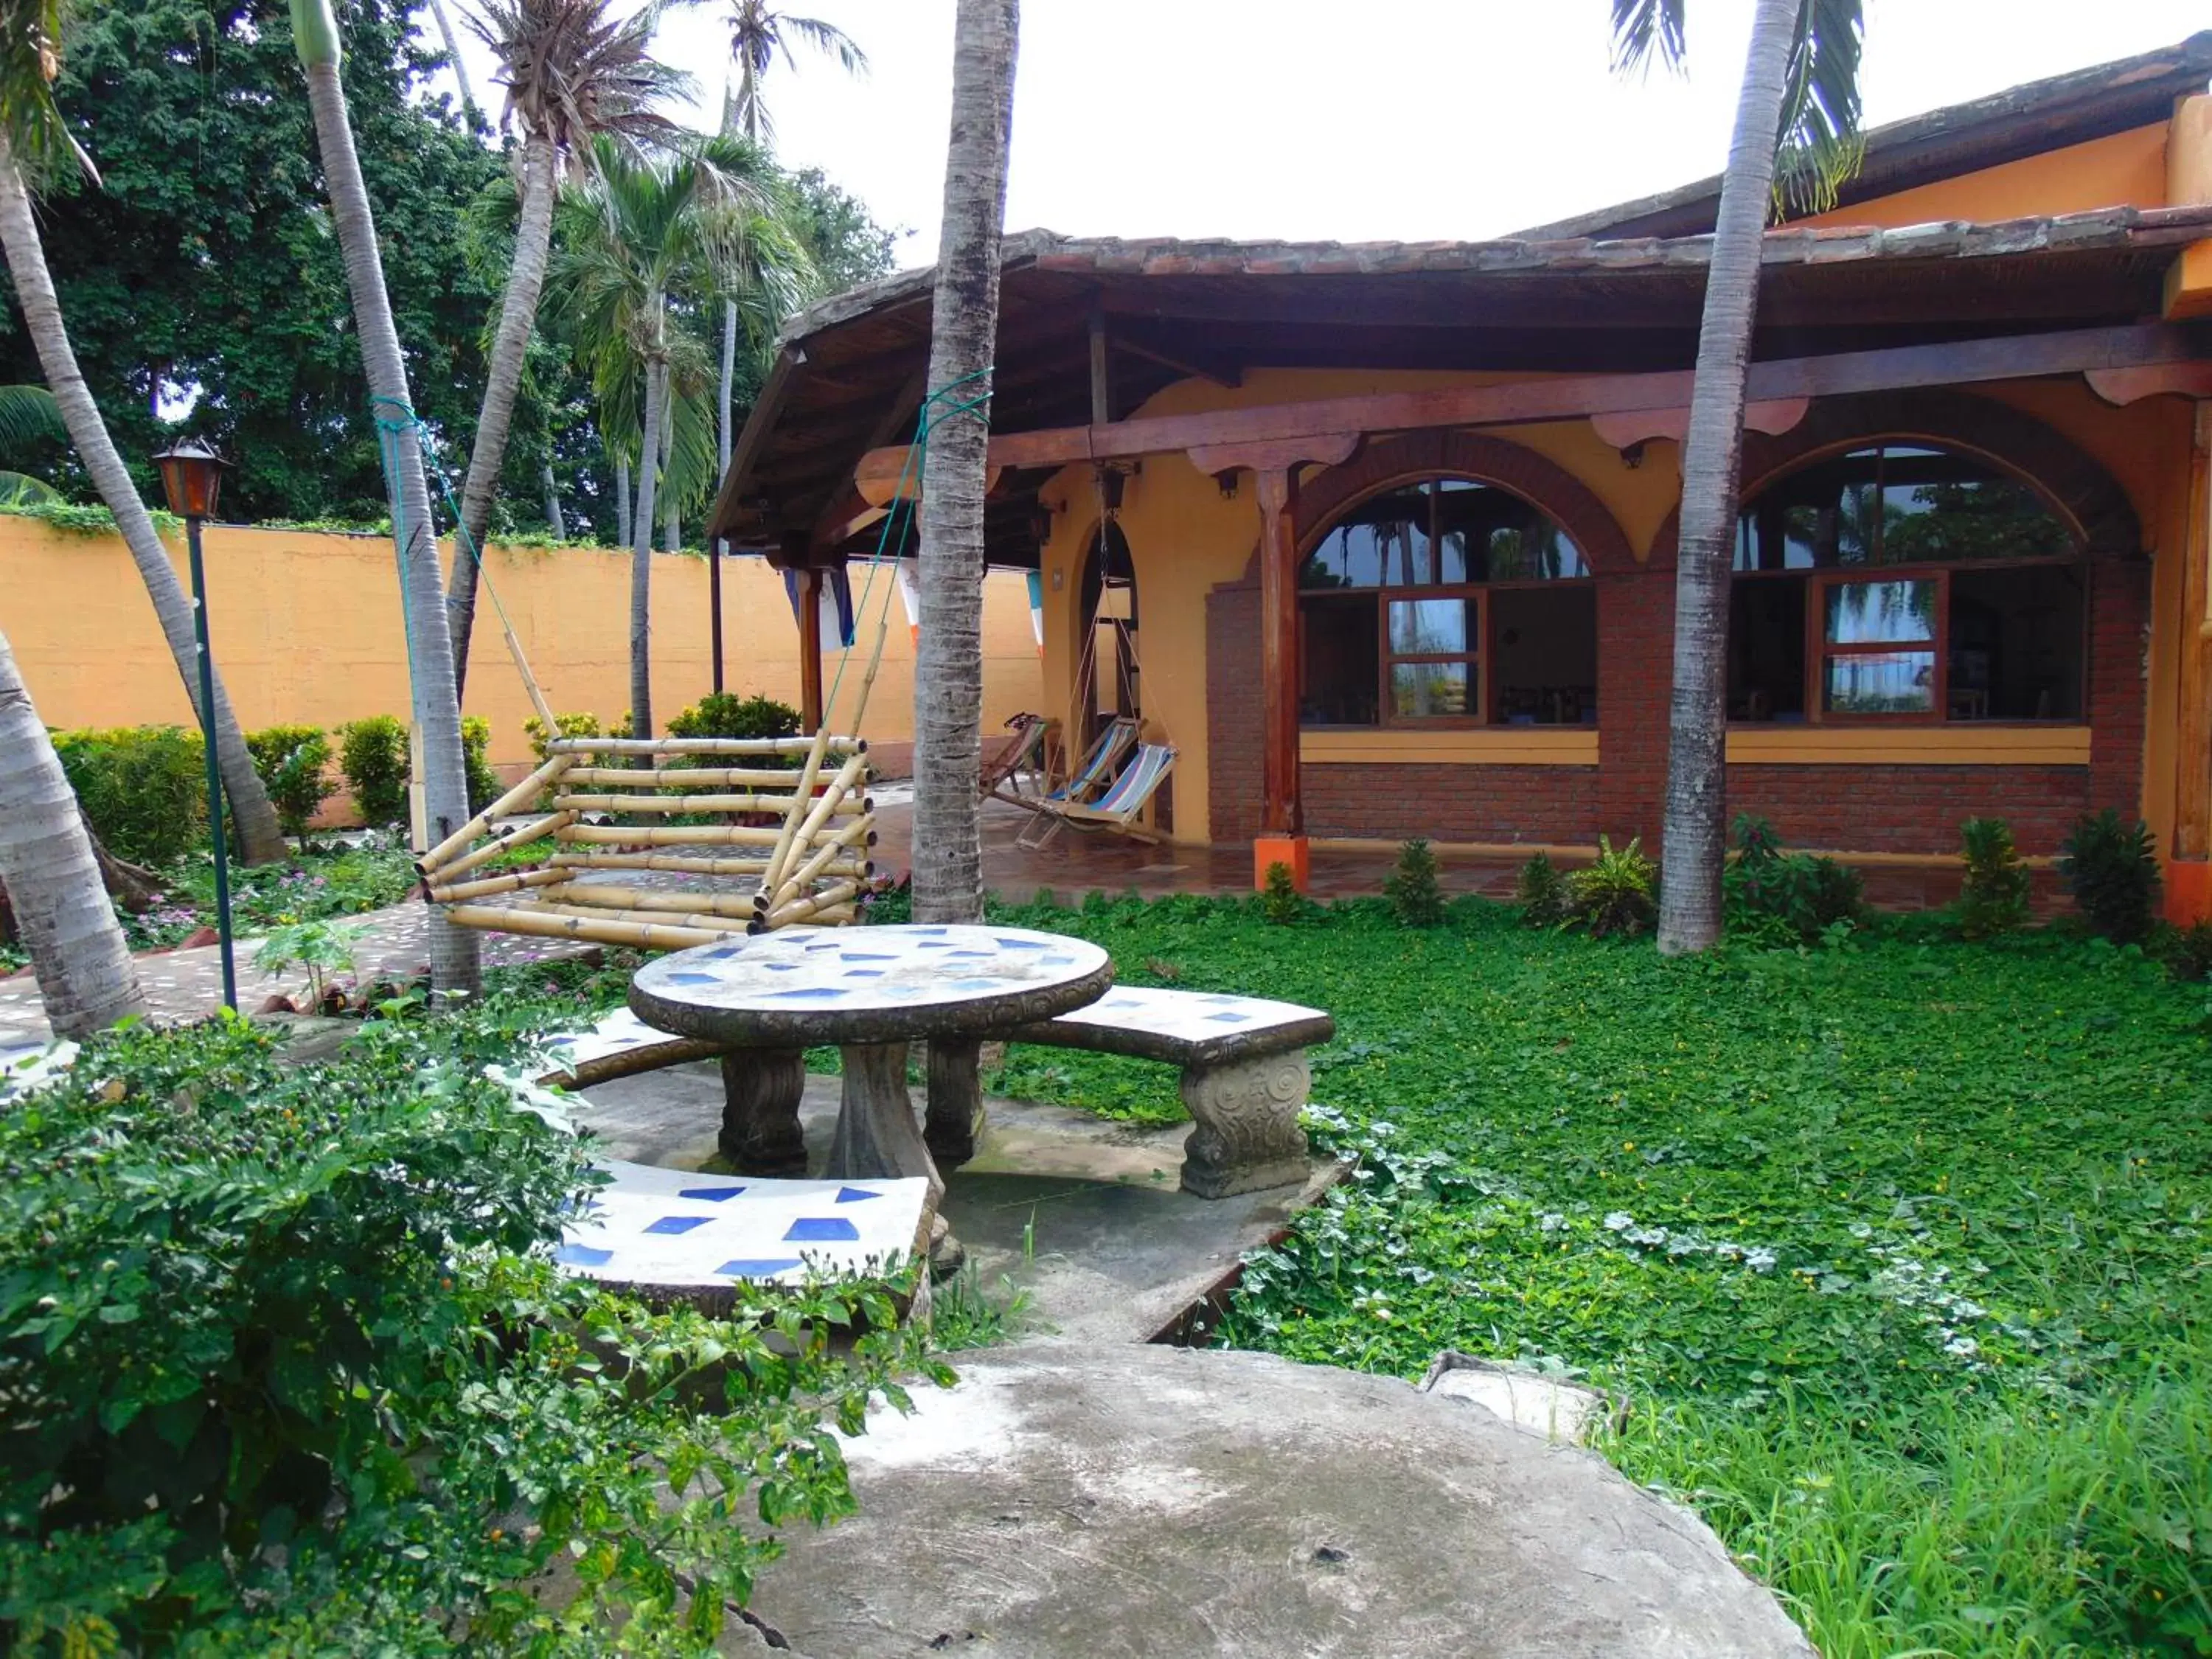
191, 477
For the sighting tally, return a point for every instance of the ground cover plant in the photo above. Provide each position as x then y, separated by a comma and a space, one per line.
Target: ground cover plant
1901, 1246
316, 886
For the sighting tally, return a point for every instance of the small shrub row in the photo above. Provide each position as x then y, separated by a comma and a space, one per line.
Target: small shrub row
1616, 897
143, 788
1786, 897
294, 762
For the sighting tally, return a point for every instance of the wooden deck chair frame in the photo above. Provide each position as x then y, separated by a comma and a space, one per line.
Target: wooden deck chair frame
1024, 755
1115, 810
1096, 774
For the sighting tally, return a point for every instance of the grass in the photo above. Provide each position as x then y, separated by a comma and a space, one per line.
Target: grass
1902, 1248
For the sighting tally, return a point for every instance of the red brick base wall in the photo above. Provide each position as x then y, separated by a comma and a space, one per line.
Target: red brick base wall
1910, 809
1550, 804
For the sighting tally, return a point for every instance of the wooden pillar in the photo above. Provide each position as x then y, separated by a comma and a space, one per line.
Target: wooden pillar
2189, 868
810, 650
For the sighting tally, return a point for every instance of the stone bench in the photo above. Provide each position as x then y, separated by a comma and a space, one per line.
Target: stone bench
1244, 1075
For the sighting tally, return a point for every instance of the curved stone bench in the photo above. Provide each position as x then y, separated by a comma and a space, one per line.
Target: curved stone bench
1244, 1075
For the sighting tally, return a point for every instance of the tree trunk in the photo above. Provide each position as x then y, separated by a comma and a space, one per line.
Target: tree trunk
553, 521
1696, 827
61, 911
672, 516
260, 839
454, 962
641, 556
469, 106
621, 499
510, 348
948, 685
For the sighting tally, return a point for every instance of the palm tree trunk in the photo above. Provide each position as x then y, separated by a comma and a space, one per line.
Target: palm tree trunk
1696, 828
671, 520
260, 839
453, 56
454, 963
621, 499
641, 556
51, 878
948, 686
518, 315
553, 521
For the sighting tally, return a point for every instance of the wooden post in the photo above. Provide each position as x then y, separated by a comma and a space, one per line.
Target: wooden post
810, 650
2189, 868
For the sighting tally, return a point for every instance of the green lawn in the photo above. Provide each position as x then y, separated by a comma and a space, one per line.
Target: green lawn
1900, 1251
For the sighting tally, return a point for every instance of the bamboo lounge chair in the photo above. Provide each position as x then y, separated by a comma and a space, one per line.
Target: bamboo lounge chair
1115, 810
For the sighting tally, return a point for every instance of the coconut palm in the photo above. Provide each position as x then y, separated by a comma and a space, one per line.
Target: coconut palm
1800, 97
948, 682
33, 143
454, 965
51, 877
27, 413
646, 246
571, 68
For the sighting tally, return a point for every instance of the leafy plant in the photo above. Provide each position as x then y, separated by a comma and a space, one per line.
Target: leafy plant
1993, 899
80, 519
564, 726
1540, 891
144, 788
1618, 894
293, 762
322, 948
1790, 897
725, 714
2111, 867
1280, 901
484, 786
1414, 896
2187, 951
372, 756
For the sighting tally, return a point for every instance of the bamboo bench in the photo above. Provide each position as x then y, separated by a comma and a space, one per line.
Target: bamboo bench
610, 800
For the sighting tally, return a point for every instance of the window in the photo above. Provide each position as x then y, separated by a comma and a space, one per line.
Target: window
1898, 581
1449, 601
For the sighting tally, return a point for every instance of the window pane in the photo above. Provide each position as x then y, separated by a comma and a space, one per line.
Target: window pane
1382, 542
1877, 612
1430, 627
1419, 688
1543, 656
1488, 534
1883, 683
1766, 650
2017, 644
1897, 504
1341, 661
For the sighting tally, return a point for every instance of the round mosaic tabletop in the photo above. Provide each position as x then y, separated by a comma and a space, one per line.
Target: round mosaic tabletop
805, 986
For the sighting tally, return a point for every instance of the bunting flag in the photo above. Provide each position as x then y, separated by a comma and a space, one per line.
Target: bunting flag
910, 572
1036, 608
836, 611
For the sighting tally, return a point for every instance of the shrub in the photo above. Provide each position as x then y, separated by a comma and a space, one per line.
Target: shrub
2187, 951
2111, 867
292, 761
1793, 897
564, 726
1415, 897
484, 782
288, 1369
725, 714
1540, 891
144, 788
1993, 898
1280, 901
1618, 894
373, 755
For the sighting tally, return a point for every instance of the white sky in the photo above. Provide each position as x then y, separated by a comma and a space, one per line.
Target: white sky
1317, 119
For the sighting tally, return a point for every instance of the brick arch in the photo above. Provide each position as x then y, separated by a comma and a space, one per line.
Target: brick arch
2086, 497
1537, 479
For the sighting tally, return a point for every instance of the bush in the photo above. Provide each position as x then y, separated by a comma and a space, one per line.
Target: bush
144, 788
2186, 952
1993, 898
288, 1370
2111, 867
1541, 892
1280, 901
1415, 897
292, 761
484, 785
1792, 898
564, 726
725, 714
1616, 895
373, 755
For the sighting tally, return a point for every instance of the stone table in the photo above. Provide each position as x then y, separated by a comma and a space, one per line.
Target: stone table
870, 991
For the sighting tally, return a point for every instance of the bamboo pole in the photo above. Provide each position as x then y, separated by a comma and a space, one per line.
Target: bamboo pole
807, 774
704, 745
850, 773
597, 930
527, 791
800, 909
485, 889
606, 895
824, 857
692, 777
671, 834
836, 915
674, 804
694, 866
723, 927
552, 823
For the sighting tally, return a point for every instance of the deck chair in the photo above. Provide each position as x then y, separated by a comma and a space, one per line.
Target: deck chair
1115, 741
1115, 810
1024, 755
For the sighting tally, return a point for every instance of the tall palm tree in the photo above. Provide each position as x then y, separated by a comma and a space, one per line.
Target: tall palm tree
454, 961
948, 682
51, 877
646, 246
27, 413
34, 141
571, 68
1800, 96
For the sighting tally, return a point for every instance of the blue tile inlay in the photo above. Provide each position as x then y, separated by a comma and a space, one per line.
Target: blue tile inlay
853, 1195
722, 954
864, 973
1021, 944
582, 1255
693, 979
1053, 962
759, 1268
781, 966
811, 991
975, 984
870, 955
679, 1223
1229, 1019
821, 1230
712, 1194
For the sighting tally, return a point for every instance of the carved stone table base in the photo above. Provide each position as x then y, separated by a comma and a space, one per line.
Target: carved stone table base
1247, 1136
955, 1118
877, 1135
761, 1134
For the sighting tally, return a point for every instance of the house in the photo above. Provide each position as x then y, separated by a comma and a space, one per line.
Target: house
1381, 537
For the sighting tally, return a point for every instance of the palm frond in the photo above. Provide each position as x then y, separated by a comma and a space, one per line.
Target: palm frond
1645, 31
29, 413
22, 490
1820, 147
573, 69
822, 37
30, 59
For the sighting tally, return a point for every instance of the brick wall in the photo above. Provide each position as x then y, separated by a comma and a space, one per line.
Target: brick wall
1909, 808
1232, 709
1554, 804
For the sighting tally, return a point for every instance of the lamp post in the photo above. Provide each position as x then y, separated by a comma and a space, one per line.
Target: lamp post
191, 476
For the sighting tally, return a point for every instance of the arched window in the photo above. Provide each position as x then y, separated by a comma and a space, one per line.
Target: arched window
1898, 581
1446, 600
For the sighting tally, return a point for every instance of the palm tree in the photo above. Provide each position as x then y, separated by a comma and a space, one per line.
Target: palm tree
454, 965
647, 245
948, 682
33, 143
571, 69
1800, 93
50, 877
27, 413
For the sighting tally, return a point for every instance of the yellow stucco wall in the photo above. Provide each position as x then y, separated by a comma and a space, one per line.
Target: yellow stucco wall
307, 628
2127, 167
